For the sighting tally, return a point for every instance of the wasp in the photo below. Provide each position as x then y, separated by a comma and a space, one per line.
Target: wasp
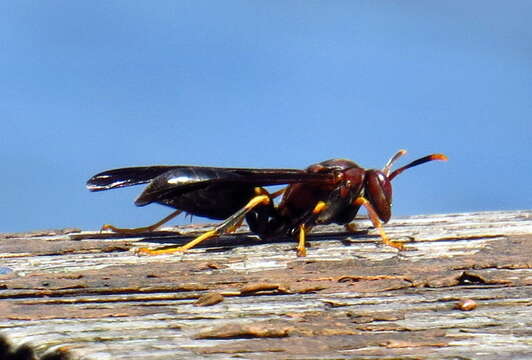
331, 191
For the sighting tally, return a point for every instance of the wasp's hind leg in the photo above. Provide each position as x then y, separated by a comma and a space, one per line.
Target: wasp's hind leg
351, 227
141, 229
230, 225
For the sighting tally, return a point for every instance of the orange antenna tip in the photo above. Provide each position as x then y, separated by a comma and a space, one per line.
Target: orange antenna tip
439, 157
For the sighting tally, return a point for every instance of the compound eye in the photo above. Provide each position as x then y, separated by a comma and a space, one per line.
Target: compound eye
379, 193
386, 186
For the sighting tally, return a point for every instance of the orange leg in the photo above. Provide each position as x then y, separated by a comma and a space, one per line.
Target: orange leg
141, 229
377, 223
228, 226
277, 193
301, 250
351, 227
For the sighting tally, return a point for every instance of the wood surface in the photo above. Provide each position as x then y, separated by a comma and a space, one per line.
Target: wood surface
461, 290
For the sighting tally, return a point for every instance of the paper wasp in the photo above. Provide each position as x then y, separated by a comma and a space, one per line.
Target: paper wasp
328, 192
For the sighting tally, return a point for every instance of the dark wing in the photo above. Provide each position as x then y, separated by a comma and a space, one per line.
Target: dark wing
129, 176
177, 181
202, 191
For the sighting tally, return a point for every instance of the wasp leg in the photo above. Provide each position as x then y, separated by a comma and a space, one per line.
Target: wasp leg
377, 223
277, 193
301, 250
228, 226
351, 227
141, 229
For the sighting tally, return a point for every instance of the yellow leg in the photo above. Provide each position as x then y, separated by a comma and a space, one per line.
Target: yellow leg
141, 229
301, 250
320, 206
377, 223
170, 250
228, 226
351, 227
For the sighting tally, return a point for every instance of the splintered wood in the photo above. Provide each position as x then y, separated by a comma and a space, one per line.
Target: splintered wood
460, 289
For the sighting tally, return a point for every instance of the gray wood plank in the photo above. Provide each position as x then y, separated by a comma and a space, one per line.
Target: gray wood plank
87, 295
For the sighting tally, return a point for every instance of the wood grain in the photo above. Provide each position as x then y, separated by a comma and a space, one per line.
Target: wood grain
86, 295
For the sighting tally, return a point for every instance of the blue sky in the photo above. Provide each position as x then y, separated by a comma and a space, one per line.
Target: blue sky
90, 86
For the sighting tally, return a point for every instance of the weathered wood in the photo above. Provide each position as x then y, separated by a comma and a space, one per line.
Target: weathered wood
85, 295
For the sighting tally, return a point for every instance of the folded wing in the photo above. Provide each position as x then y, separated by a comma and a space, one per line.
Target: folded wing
129, 176
203, 191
